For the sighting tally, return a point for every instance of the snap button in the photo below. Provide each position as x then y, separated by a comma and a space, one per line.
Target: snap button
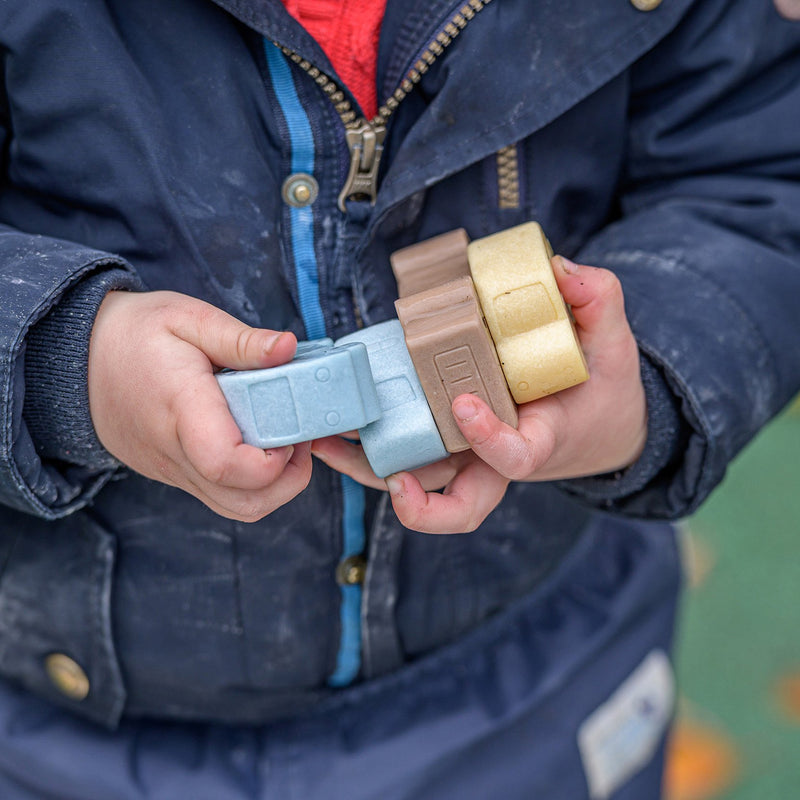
67, 676
351, 570
299, 190
646, 5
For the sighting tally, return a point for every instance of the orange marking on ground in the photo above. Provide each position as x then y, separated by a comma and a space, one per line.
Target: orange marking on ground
699, 559
701, 762
787, 693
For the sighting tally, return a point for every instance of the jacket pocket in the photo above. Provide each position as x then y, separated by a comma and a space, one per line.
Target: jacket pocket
55, 619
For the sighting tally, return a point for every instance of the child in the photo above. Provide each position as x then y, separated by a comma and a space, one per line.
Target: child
192, 185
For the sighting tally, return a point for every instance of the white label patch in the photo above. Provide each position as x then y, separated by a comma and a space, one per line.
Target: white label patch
621, 736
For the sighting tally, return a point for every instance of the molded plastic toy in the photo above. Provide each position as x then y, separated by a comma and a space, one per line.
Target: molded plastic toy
323, 391
430, 263
453, 354
505, 327
405, 436
527, 317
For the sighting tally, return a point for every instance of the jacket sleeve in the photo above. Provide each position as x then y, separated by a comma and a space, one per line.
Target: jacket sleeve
50, 462
708, 243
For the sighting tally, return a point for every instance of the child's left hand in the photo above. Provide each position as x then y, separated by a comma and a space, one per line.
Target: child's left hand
596, 427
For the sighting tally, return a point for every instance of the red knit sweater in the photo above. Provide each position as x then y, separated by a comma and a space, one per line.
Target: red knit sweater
347, 30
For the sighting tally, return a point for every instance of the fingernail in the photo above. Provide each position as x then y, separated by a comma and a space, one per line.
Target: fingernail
394, 484
464, 408
270, 343
570, 267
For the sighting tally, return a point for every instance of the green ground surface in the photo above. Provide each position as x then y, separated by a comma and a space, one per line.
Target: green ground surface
740, 629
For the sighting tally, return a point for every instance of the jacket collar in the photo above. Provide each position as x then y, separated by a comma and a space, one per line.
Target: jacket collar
517, 66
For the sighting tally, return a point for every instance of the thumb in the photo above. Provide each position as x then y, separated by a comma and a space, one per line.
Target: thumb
228, 342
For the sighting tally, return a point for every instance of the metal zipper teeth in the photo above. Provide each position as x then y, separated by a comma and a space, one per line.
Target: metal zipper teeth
508, 177
421, 65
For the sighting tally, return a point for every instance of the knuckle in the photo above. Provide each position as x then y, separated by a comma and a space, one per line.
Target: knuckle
492, 446
629, 351
203, 315
215, 469
408, 516
165, 469
523, 460
412, 520
248, 509
159, 304
305, 475
472, 523
489, 439
176, 405
608, 285
519, 472
242, 343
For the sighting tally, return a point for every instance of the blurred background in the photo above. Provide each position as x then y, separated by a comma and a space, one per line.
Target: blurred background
738, 656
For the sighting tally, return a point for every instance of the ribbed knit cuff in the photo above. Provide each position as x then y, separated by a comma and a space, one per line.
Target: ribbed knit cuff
56, 406
667, 435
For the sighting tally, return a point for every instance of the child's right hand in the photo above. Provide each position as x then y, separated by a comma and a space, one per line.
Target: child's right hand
596, 427
156, 405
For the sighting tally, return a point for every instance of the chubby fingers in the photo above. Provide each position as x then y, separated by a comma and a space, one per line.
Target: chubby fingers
250, 505
228, 342
514, 455
349, 458
212, 443
235, 479
466, 501
597, 302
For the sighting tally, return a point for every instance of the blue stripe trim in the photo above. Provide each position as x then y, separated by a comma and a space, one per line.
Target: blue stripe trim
302, 219
348, 660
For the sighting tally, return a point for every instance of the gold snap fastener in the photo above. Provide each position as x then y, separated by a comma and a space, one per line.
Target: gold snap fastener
301, 193
351, 570
67, 676
646, 5
300, 190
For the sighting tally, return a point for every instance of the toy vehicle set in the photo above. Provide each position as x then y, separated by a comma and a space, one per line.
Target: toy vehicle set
482, 317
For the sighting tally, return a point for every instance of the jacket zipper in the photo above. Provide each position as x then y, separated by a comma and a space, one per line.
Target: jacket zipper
365, 137
508, 177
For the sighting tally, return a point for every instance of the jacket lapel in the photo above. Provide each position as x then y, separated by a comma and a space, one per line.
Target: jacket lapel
516, 67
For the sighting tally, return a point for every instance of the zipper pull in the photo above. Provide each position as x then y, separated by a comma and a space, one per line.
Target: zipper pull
365, 141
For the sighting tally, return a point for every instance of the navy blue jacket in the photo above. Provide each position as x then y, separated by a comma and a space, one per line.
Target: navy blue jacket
143, 146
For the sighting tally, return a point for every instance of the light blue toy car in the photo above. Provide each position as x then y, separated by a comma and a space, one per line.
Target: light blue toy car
365, 381
323, 391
